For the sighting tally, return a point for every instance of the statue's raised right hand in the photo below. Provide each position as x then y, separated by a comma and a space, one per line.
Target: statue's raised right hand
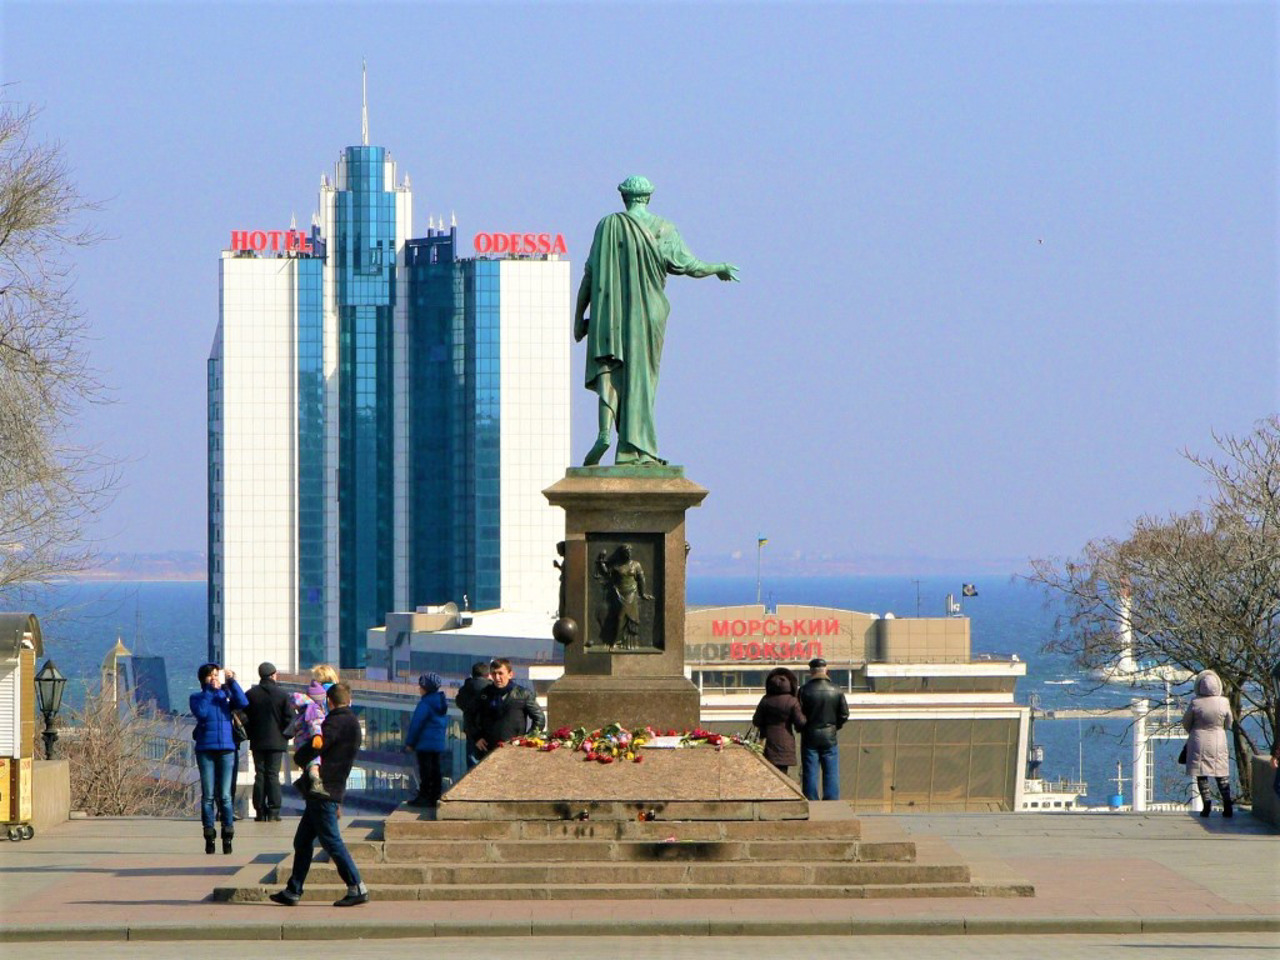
727, 272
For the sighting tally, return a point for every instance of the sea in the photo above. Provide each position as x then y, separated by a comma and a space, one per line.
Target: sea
81, 621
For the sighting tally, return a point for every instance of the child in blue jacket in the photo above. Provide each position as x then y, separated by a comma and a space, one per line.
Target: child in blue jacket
426, 738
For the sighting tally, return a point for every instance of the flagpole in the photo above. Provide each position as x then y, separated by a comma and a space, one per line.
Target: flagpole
759, 551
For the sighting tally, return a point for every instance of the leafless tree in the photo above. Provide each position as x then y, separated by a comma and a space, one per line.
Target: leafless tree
1195, 591
125, 761
49, 486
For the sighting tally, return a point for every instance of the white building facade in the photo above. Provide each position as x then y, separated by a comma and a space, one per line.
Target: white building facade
383, 416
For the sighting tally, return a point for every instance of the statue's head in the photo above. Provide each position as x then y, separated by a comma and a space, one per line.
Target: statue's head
635, 190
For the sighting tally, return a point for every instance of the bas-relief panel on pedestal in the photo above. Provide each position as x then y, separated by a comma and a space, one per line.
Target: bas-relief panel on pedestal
624, 592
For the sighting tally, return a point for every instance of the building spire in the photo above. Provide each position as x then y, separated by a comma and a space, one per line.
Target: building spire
364, 103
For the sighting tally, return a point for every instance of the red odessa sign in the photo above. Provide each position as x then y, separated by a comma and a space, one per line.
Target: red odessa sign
529, 243
290, 241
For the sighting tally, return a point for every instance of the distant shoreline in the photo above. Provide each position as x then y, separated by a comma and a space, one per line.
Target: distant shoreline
108, 578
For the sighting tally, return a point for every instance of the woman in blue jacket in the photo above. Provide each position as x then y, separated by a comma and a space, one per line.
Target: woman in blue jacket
426, 738
211, 705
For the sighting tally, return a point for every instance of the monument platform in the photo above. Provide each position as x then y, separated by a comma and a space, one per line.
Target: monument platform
688, 824
702, 783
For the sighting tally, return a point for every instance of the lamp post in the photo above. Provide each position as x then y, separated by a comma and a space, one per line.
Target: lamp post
49, 686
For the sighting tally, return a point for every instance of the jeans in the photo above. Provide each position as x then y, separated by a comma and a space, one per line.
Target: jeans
215, 786
429, 778
266, 782
829, 760
320, 823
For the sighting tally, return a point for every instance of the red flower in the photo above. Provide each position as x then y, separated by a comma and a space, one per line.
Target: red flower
639, 758
604, 758
672, 733
589, 757
563, 733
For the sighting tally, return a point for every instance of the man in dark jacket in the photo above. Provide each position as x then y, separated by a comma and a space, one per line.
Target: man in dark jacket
268, 716
506, 711
825, 710
468, 702
341, 734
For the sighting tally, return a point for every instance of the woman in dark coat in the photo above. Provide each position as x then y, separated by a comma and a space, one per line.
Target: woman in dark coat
778, 717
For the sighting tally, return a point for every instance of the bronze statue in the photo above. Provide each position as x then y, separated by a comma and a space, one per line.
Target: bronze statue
622, 580
623, 284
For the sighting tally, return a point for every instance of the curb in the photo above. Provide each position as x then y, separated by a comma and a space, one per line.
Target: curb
958, 926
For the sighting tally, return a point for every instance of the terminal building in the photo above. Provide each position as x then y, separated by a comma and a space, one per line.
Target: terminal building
383, 414
933, 726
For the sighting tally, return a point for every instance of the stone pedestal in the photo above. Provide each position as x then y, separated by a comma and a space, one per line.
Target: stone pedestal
624, 587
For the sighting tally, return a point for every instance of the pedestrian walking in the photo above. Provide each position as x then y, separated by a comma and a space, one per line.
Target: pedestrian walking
319, 823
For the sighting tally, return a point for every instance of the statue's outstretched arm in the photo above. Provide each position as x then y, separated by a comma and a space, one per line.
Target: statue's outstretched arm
685, 263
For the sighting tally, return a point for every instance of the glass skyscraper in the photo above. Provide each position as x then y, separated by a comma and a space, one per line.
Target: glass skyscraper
383, 415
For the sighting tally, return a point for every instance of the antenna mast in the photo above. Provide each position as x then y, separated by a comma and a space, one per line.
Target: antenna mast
364, 103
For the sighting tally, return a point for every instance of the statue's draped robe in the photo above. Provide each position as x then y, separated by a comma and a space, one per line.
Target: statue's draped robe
631, 254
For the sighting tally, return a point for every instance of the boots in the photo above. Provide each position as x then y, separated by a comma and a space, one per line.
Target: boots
210, 835
1205, 806
228, 834
1228, 809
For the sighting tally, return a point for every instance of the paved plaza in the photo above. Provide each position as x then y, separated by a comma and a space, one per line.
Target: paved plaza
1106, 884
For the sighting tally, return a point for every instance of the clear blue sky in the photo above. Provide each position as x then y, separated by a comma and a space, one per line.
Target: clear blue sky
1000, 262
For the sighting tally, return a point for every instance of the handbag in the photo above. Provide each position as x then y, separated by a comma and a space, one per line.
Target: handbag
238, 733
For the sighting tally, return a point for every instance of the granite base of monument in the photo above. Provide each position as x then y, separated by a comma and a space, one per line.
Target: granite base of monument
700, 783
623, 587
634, 702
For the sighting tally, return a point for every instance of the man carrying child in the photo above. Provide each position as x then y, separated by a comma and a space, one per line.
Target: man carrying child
340, 742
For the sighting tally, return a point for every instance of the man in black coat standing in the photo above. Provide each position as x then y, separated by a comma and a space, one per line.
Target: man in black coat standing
826, 711
468, 703
506, 710
268, 716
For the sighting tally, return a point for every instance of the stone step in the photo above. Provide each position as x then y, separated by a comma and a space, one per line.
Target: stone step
551, 851
534, 875
402, 826
591, 893
624, 810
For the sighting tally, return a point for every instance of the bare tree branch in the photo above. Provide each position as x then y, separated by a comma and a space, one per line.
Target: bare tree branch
1197, 591
50, 488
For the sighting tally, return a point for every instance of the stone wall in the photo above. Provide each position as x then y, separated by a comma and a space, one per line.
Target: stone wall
50, 794
1266, 805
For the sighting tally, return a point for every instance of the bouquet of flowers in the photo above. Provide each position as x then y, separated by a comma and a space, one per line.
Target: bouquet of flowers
615, 742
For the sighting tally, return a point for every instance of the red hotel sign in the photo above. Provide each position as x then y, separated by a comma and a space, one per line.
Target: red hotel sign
291, 241
518, 243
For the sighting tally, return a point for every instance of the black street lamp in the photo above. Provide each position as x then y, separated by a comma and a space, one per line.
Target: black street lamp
49, 686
